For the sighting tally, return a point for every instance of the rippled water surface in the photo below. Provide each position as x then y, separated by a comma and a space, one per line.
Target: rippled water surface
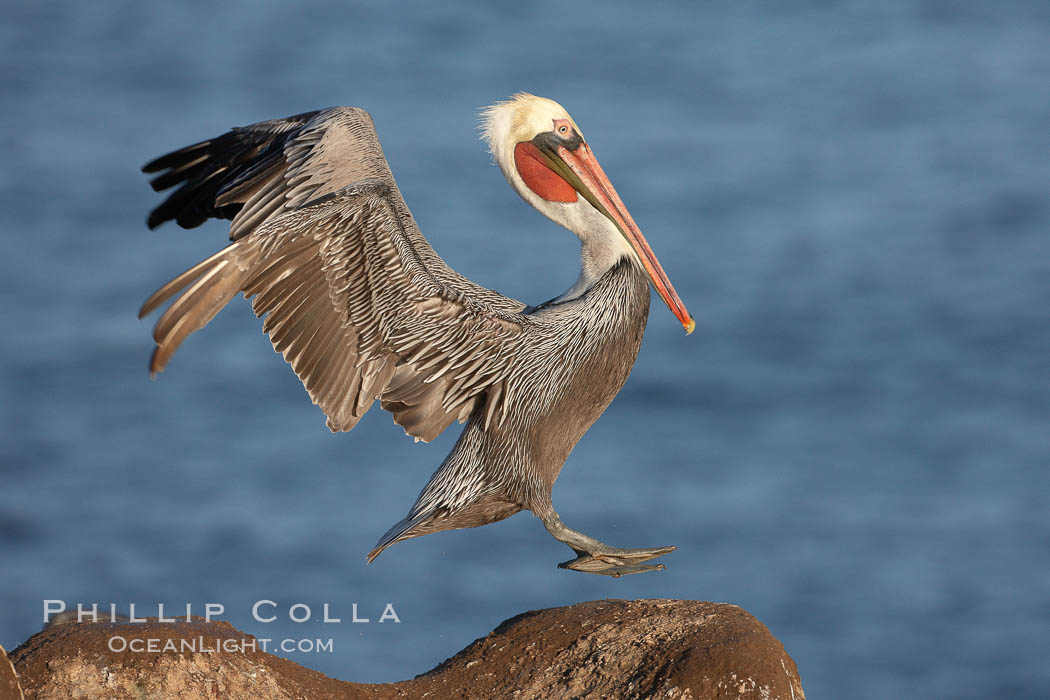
851, 198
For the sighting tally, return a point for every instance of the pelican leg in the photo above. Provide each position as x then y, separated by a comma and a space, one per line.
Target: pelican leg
595, 557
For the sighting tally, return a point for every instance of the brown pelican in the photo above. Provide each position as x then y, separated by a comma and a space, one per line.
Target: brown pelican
363, 308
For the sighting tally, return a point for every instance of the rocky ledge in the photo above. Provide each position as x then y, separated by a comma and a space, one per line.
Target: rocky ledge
674, 649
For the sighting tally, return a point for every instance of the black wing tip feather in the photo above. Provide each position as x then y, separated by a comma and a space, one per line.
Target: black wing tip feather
194, 171
188, 218
175, 158
203, 170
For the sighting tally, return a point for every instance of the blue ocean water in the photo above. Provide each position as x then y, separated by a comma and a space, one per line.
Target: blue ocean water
851, 198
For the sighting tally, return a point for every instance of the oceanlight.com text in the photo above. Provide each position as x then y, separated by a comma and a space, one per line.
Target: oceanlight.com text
204, 645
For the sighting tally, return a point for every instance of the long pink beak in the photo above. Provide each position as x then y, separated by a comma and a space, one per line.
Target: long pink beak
599, 192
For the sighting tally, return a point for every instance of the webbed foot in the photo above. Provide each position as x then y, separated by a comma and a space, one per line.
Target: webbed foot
595, 557
616, 562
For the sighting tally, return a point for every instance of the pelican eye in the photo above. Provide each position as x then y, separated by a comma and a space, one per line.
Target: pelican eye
563, 128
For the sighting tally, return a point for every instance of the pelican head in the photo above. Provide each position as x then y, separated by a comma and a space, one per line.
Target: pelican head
544, 157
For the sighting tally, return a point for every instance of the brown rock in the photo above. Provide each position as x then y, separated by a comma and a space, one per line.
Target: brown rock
612, 648
9, 688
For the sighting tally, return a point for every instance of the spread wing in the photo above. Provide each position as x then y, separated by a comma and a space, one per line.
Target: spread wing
353, 296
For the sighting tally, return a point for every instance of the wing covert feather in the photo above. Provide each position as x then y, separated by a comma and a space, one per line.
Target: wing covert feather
352, 307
